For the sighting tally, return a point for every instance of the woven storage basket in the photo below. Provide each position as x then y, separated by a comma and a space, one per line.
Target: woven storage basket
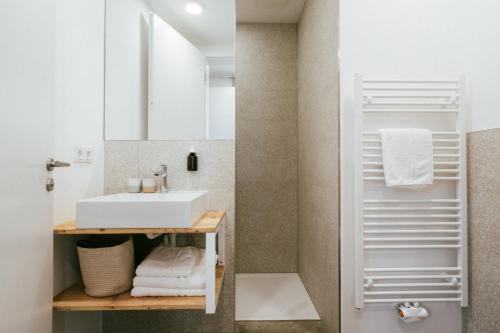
107, 265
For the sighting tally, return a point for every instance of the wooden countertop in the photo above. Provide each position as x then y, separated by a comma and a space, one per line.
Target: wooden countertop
208, 223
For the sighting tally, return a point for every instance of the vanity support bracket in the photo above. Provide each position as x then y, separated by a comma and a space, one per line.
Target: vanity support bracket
210, 258
214, 252
221, 244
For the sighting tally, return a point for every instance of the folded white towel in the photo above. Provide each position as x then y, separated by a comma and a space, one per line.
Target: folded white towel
407, 156
166, 261
194, 281
146, 292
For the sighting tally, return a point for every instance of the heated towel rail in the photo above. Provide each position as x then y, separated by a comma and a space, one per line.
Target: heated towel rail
411, 245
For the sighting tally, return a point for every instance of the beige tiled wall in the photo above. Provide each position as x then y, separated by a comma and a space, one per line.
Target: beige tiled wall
483, 313
125, 159
266, 147
318, 158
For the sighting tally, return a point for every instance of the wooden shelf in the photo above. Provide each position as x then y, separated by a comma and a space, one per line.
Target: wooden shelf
75, 299
208, 223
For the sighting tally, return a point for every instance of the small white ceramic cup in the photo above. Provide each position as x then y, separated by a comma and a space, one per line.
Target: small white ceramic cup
148, 185
134, 185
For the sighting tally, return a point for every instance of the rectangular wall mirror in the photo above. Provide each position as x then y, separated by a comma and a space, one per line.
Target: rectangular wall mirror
169, 70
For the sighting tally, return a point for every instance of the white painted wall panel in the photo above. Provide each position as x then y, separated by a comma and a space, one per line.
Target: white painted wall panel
481, 21
176, 85
79, 84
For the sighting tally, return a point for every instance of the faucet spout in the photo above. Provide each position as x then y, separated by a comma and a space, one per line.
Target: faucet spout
162, 178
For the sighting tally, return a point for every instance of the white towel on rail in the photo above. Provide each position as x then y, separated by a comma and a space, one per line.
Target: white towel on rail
194, 281
165, 261
407, 157
146, 292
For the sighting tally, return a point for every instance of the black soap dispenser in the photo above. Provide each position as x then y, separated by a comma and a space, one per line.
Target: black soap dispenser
192, 161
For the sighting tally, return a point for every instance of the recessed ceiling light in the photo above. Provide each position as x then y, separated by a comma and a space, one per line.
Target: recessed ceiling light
194, 8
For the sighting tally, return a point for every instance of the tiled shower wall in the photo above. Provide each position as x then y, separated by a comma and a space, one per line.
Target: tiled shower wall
266, 148
483, 313
318, 158
126, 159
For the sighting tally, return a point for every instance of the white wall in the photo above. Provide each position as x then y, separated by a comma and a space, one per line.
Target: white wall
481, 21
79, 110
423, 38
221, 113
391, 38
126, 69
78, 122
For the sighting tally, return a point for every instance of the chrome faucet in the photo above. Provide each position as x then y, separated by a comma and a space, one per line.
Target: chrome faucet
161, 174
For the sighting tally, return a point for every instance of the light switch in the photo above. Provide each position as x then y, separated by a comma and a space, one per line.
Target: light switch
89, 155
83, 154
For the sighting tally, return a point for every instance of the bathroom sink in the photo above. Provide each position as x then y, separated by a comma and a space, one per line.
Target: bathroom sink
142, 210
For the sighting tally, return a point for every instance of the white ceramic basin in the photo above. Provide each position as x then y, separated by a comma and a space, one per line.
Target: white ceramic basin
142, 210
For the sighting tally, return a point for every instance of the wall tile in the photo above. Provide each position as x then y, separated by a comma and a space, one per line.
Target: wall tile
318, 160
271, 152
120, 163
266, 147
482, 315
174, 153
221, 160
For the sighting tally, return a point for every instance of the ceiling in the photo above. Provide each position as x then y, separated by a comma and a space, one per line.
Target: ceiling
268, 11
213, 31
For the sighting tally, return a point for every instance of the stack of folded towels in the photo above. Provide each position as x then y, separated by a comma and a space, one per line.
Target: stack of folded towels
171, 271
